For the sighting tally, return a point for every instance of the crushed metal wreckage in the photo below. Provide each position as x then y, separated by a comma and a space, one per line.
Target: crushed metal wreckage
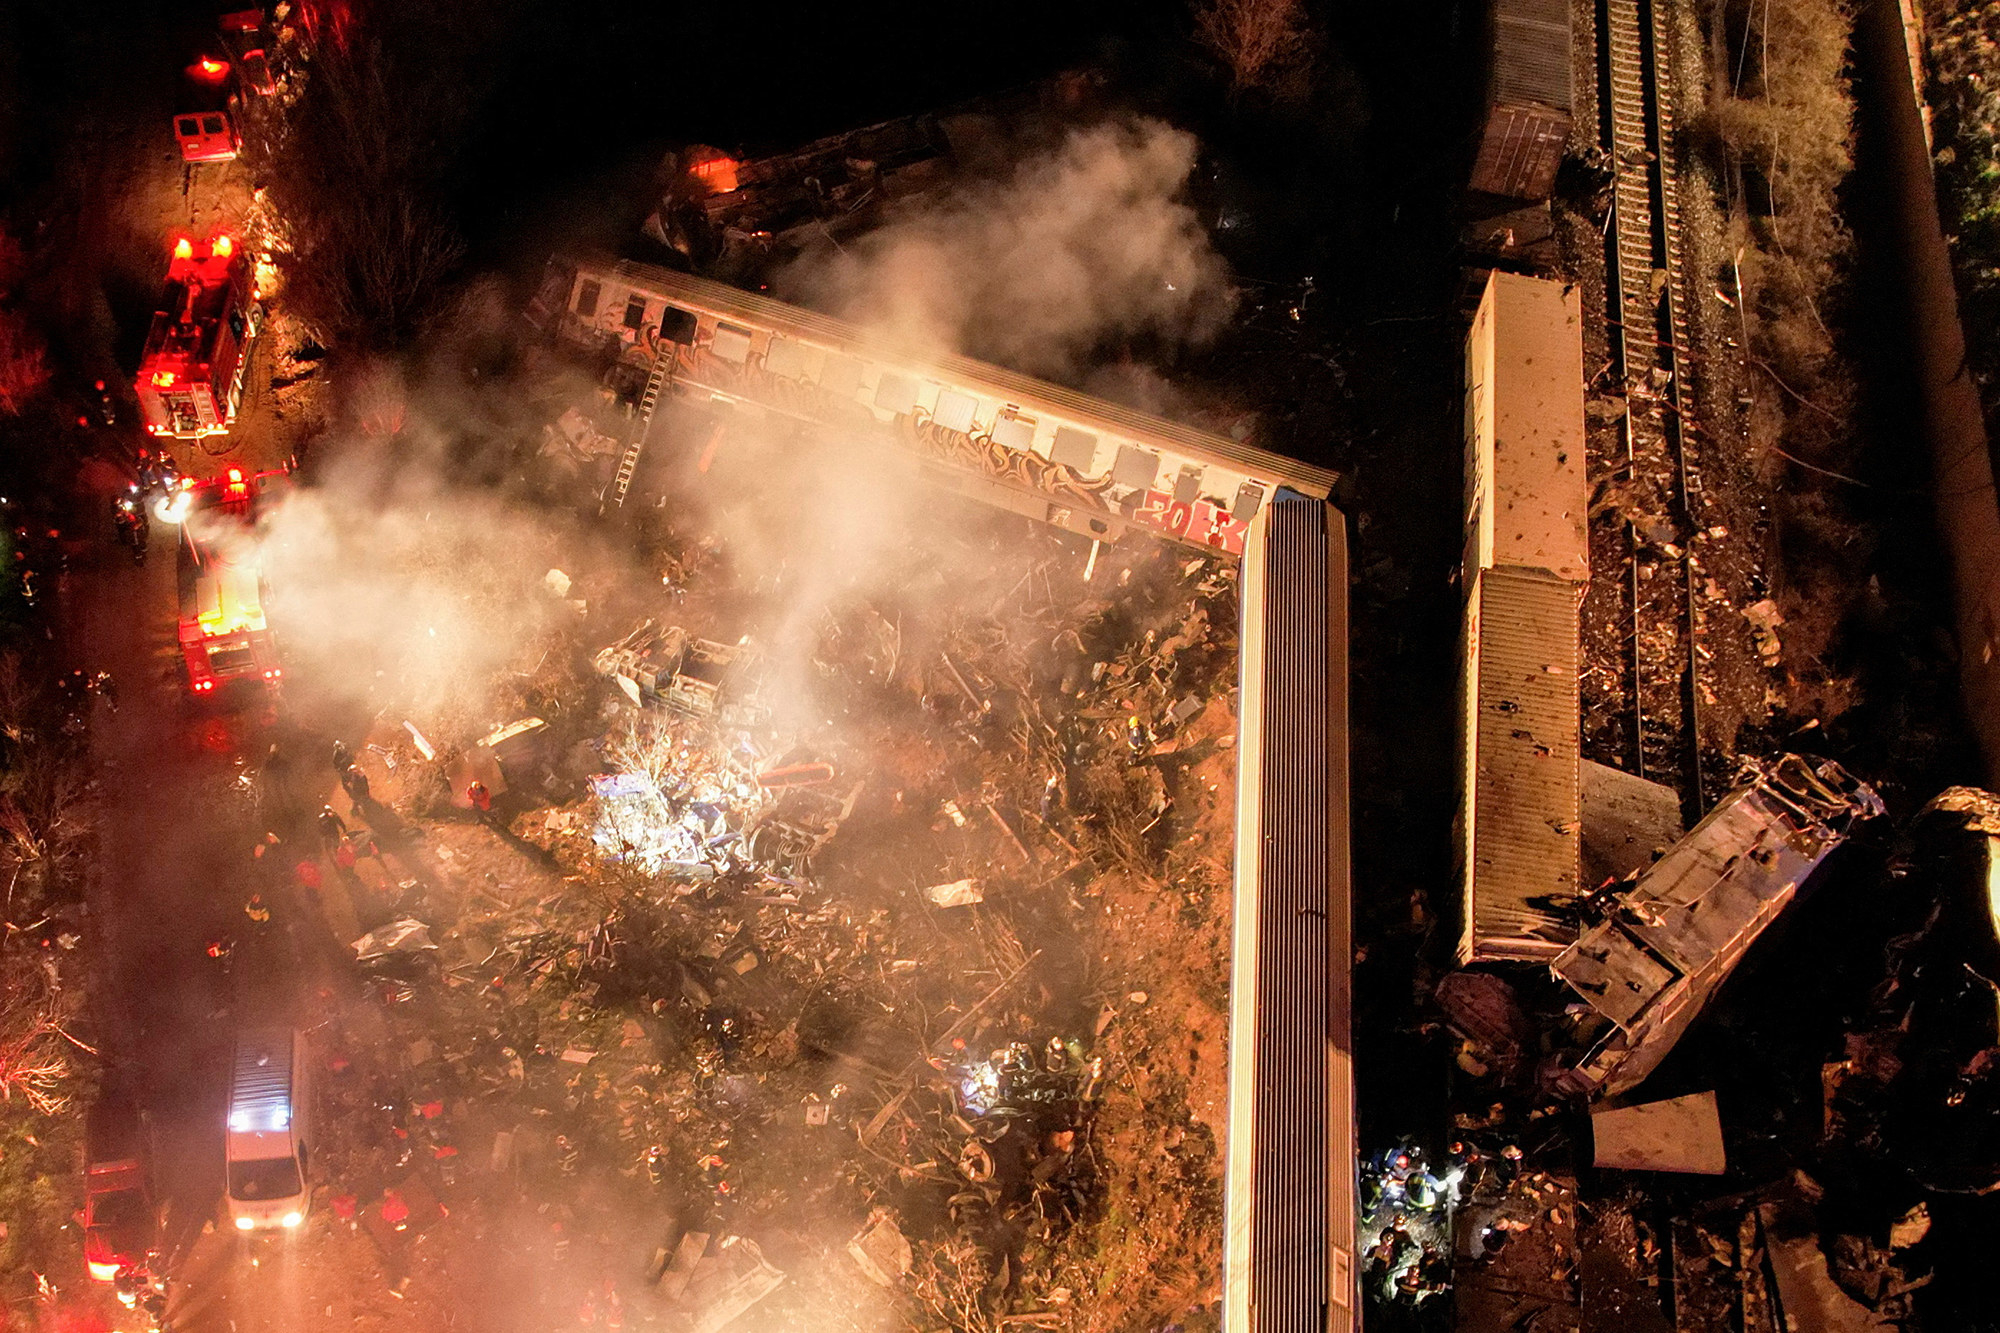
1665, 943
666, 665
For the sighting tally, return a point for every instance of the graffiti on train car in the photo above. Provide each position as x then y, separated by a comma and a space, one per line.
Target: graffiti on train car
1016, 467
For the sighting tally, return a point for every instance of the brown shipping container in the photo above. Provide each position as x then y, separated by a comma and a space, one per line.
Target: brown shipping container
1528, 100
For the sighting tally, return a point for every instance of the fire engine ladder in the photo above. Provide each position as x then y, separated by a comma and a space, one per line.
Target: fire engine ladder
628, 466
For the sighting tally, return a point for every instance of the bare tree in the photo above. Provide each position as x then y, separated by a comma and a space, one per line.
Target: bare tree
360, 173
35, 1041
1257, 39
24, 363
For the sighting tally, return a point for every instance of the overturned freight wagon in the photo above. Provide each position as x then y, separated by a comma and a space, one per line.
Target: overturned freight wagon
1526, 558
1528, 99
1101, 472
1668, 942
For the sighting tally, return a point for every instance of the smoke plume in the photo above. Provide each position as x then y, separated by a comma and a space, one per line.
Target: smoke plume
1084, 248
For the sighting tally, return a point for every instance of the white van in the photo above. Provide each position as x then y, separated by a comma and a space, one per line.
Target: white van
265, 1147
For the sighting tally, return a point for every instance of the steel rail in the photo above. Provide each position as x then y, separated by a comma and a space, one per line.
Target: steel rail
1646, 319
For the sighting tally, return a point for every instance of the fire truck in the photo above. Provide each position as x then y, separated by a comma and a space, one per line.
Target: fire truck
224, 633
190, 379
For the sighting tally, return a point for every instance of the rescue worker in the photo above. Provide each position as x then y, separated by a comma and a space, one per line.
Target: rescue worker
341, 758
355, 783
332, 828
1510, 1164
480, 797
255, 909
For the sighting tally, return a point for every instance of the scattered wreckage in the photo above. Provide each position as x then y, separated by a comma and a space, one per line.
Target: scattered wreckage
699, 801
1657, 945
1666, 943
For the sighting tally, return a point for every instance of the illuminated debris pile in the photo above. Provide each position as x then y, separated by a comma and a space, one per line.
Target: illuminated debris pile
701, 788
743, 994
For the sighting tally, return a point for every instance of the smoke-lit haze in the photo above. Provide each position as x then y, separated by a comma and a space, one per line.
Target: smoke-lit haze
1074, 251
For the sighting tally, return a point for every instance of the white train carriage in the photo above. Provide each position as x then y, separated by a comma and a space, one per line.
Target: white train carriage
1056, 455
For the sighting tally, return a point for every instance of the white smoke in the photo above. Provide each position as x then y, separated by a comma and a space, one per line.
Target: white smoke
1086, 247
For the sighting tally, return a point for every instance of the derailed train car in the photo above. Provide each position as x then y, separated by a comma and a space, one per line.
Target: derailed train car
1529, 96
1525, 562
1102, 472
1666, 944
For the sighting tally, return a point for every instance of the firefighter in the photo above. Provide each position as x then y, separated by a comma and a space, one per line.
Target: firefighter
355, 783
480, 797
342, 759
332, 828
255, 909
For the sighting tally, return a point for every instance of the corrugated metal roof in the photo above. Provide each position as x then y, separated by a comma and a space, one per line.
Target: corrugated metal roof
260, 1089
1525, 453
1290, 1247
1531, 52
1523, 811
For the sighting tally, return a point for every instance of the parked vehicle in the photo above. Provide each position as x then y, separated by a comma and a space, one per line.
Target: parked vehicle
190, 378
121, 1225
267, 1144
224, 632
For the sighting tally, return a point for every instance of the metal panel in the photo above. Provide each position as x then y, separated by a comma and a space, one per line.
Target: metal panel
1525, 477
1522, 817
1521, 150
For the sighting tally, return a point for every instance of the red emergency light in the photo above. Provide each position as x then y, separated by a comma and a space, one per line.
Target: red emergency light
208, 70
183, 248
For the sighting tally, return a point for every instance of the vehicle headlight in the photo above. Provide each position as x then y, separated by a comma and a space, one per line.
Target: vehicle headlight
293, 1219
245, 1223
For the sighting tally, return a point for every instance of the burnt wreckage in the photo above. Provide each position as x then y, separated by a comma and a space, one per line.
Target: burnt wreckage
1100, 472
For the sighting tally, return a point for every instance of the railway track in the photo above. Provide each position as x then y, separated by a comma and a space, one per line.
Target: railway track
1645, 309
